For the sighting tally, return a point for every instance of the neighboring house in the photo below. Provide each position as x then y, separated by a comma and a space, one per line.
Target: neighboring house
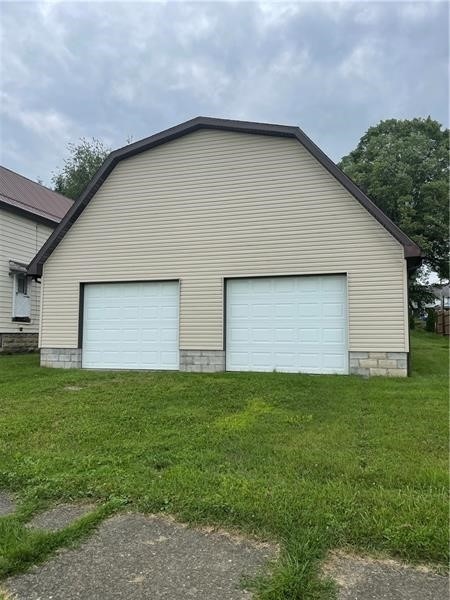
442, 295
29, 213
440, 301
230, 245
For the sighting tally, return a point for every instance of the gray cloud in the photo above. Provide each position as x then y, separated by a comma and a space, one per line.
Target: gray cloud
112, 70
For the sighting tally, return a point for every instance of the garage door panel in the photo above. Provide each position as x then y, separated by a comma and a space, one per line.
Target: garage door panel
130, 312
261, 286
309, 335
287, 310
148, 312
149, 332
308, 361
284, 285
309, 310
261, 335
285, 360
149, 356
130, 335
333, 336
240, 334
239, 310
288, 334
91, 356
131, 326
262, 310
169, 358
287, 324
262, 359
333, 361
169, 335
333, 309
151, 291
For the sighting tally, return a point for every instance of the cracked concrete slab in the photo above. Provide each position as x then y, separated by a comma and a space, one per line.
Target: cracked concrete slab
60, 516
8, 504
141, 557
363, 578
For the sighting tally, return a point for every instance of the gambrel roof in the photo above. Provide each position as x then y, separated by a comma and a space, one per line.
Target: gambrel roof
411, 250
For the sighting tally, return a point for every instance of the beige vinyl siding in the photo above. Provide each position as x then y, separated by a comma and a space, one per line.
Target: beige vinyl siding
212, 205
20, 239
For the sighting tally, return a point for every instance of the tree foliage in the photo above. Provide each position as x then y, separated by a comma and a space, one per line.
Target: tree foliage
84, 159
403, 166
420, 294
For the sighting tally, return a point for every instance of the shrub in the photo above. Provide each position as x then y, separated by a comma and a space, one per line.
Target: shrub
430, 324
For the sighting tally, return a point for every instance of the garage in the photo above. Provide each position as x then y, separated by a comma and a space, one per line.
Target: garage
316, 273
130, 325
291, 324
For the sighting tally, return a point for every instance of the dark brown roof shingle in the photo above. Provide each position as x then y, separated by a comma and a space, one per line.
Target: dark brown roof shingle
20, 193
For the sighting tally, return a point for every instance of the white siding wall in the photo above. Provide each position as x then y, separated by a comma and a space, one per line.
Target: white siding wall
215, 204
20, 239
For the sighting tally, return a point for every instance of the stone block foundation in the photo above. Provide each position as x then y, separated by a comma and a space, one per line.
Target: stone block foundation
390, 364
61, 358
17, 343
204, 361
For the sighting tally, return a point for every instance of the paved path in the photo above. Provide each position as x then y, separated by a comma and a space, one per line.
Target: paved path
135, 557
361, 578
138, 557
60, 516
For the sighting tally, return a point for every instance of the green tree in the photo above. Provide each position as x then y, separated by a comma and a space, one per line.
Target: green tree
403, 166
84, 159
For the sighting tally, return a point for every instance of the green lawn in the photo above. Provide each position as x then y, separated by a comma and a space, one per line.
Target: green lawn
313, 462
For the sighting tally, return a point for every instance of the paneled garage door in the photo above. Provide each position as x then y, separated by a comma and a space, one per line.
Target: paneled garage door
295, 324
130, 325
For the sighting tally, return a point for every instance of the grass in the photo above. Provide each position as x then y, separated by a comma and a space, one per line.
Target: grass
312, 462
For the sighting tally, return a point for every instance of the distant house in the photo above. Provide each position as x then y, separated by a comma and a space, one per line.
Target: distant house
440, 300
29, 212
442, 295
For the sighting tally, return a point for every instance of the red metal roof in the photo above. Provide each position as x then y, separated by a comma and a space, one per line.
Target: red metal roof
28, 196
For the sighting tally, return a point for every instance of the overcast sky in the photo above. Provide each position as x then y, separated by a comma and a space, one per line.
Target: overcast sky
120, 69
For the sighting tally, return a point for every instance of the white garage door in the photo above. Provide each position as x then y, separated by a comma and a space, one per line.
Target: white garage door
295, 324
130, 325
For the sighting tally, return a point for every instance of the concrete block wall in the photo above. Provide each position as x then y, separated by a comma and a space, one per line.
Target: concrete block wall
367, 364
391, 364
17, 343
61, 358
204, 361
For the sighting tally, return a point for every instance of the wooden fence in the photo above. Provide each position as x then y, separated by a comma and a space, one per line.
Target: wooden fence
443, 322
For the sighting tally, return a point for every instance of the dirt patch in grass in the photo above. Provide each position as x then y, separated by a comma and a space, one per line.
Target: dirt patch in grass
7, 503
384, 579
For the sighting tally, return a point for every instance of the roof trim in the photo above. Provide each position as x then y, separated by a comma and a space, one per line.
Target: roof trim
16, 266
411, 249
28, 214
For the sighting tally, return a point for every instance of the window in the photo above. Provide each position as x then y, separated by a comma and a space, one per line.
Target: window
21, 284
